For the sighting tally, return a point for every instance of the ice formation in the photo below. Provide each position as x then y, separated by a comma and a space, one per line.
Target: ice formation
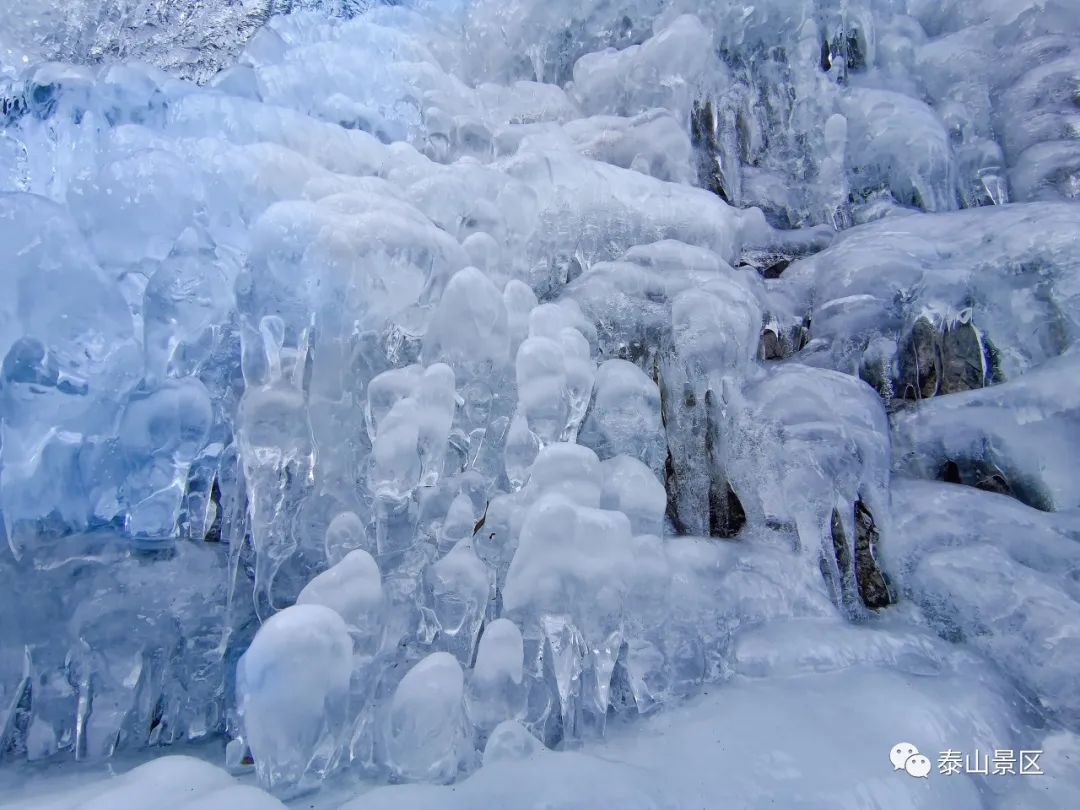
457, 403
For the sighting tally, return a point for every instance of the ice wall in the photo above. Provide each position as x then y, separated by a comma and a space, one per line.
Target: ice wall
435, 384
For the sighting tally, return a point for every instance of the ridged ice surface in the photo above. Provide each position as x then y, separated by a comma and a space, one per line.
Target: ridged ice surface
491, 403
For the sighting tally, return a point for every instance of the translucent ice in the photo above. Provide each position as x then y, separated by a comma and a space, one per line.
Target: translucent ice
460, 587
479, 337
457, 391
426, 734
633, 489
496, 690
353, 589
292, 687
624, 416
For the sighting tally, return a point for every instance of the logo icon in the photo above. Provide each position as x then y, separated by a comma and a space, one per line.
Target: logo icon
906, 757
918, 766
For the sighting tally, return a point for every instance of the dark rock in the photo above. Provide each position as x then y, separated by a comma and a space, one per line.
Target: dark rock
777, 343
213, 533
726, 513
671, 487
859, 572
995, 482
12, 107
920, 362
16, 725
769, 263
950, 473
802, 334
854, 55
992, 357
984, 473
771, 347
963, 363
846, 52
776, 268
700, 499
710, 173
727, 516
875, 371
842, 553
874, 590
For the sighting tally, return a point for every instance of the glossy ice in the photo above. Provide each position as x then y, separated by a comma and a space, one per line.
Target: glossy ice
456, 392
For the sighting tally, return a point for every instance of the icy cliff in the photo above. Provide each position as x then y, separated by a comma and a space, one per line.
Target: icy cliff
429, 392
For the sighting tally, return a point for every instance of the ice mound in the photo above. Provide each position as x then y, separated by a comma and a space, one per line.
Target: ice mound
1013, 438
426, 736
957, 543
292, 686
488, 403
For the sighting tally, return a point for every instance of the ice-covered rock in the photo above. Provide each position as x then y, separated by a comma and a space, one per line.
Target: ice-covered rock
826, 435
1016, 437
510, 741
633, 489
469, 327
570, 558
990, 570
945, 302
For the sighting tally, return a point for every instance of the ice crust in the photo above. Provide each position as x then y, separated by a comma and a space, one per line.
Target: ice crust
648, 403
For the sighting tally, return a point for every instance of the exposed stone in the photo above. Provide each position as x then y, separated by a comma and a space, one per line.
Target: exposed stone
710, 174
700, 499
995, 482
842, 554
860, 575
769, 263
919, 362
963, 366
726, 513
873, 585
771, 347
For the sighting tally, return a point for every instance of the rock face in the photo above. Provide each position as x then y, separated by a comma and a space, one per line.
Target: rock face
873, 584
920, 362
860, 574
710, 170
391, 388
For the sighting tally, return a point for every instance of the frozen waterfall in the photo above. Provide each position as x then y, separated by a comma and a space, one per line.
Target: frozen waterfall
521, 403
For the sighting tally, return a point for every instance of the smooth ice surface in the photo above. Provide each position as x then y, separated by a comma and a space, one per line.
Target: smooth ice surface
425, 735
647, 403
353, 589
